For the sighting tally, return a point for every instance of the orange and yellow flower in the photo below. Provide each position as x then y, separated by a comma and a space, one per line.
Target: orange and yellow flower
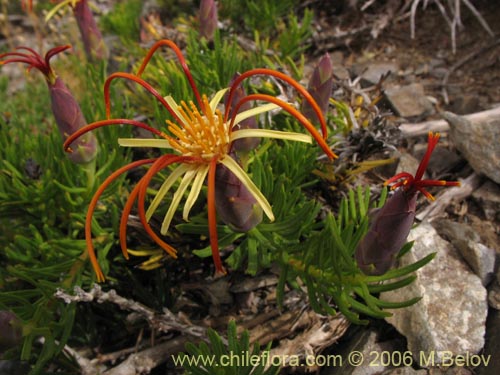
199, 138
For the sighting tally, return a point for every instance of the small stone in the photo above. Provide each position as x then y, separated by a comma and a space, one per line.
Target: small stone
478, 142
407, 163
477, 255
488, 197
371, 73
451, 316
404, 371
409, 101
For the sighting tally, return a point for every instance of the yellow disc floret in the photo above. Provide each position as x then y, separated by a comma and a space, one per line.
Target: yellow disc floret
201, 135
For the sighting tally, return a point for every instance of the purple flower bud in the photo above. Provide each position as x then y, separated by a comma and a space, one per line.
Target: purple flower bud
208, 18
69, 118
68, 115
390, 226
10, 330
244, 144
320, 86
234, 203
93, 42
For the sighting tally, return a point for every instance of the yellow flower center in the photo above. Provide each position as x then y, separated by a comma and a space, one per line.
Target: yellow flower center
203, 136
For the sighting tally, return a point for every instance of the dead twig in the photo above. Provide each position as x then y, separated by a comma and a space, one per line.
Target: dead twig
165, 322
422, 128
454, 22
146, 360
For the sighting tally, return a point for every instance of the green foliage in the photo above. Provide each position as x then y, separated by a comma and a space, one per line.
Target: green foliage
325, 263
293, 34
123, 20
214, 66
234, 358
43, 203
260, 15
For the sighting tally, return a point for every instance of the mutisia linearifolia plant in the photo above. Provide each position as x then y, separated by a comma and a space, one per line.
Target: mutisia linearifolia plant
202, 137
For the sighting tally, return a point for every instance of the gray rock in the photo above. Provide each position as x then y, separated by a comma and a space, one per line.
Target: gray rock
488, 197
477, 255
409, 101
478, 142
367, 343
371, 73
451, 316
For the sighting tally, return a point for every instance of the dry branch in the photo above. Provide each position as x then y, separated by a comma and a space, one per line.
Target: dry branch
422, 128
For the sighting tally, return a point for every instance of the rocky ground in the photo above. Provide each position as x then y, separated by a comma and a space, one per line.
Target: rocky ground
459, 312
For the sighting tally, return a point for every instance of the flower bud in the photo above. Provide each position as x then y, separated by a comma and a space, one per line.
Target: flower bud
320, 86
68, 115
244, 144
69, 118
93, 42
10, 330
234, 203
208, 18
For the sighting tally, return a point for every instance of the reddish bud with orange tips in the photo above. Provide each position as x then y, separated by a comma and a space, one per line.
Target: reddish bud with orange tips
391, 224
66, 110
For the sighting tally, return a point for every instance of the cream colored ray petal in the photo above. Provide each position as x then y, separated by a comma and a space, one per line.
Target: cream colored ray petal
201, 173
255, 111
173, 104
216, 99
165, 187
266, 133
254, 190
143, 142
186, 180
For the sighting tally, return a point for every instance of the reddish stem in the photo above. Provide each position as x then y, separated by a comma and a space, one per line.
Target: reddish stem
294, 112
101, 123
182, 61
140, 81
91, 209
212, 218
302, 90
161, 163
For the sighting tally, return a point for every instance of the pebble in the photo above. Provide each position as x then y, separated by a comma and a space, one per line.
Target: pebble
488, 198
409, 101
